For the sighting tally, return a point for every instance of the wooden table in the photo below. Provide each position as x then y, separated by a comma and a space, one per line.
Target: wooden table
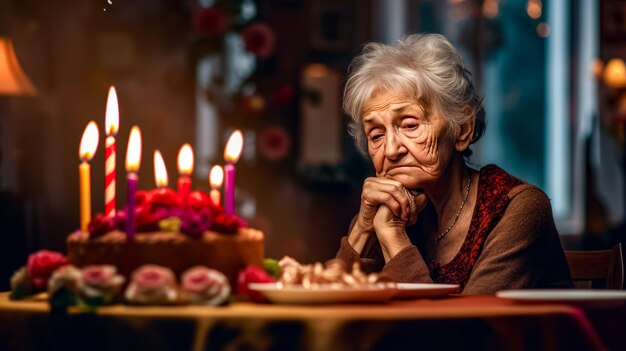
456, 322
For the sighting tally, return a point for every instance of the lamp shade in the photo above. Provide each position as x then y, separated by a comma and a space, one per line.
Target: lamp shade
13, 81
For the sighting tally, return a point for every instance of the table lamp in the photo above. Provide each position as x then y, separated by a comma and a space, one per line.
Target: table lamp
13, 80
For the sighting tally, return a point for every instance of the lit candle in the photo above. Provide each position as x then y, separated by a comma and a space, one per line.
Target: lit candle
112, 119
185, 168
231, 155
216, 178
86, 151
133, 161
160, 171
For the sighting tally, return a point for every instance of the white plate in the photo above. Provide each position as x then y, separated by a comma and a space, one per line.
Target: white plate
297, 294
588, 298
423, 290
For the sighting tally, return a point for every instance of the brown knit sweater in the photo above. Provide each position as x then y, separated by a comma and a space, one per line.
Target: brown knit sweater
512, 243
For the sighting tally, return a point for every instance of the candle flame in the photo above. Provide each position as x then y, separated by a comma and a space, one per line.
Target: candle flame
112, 117
160, 171
89, 142
216, 178
185, 160
233, 147
133, 153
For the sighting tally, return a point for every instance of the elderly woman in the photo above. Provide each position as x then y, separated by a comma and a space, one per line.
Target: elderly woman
427, 216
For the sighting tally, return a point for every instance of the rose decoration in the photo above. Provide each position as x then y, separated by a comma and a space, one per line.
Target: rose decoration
152, 285
101, 224
274, 142
20, 284
210, 21
198, 199
64, 287
101, 284
227, 223
252, 274
259, 39
196, 221
201, 285
41, 265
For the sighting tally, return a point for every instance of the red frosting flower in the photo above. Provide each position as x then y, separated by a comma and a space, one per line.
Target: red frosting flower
274, 142
252, 274
210, 21
101, 225
198, 199
227, 223
259, 39
164, 198
41, 265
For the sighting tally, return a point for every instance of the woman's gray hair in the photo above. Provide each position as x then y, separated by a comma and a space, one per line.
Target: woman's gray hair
424, 67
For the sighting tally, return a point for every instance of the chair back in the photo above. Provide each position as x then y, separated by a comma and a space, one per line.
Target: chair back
598, 269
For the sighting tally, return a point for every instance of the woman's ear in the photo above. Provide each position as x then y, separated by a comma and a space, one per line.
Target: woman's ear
464, 133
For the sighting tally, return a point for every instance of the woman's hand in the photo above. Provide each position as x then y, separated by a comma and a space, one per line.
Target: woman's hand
403, 206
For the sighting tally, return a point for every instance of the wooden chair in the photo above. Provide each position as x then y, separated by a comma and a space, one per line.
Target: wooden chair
598, 269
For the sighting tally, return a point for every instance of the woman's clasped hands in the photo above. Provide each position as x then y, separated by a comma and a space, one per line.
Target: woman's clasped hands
387, 207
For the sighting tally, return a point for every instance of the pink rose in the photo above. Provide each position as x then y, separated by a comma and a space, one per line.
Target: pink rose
102, 277
202, 285
41, 265
259, 39
64, 287
101, 284
152, 284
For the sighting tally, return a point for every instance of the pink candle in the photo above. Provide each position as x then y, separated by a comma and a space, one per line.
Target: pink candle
231, 155
133, 161
185, 168
112, 126
229, 189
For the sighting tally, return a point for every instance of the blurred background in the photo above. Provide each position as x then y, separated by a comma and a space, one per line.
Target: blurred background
192, 71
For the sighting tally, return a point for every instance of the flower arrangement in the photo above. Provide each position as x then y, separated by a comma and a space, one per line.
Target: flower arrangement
97, 285
163, 210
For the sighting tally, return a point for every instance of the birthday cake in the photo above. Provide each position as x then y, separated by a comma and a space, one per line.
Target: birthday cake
171, 235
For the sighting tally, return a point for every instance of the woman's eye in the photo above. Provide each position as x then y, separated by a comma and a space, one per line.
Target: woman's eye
409, 124
375, 137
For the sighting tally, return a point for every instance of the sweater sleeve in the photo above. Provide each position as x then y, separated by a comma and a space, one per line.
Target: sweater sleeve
407, 266
520, 248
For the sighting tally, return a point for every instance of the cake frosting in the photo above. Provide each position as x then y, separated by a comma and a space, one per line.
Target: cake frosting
171, 235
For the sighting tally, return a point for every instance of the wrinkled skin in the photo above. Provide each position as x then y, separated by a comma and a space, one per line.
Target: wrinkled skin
416, 157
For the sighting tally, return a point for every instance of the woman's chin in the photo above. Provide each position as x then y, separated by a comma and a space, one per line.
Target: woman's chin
409, 182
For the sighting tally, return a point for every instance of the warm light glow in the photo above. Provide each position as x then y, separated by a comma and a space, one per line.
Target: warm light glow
133, 153
533, 8
316, 70
615, 73
234, 147
89, 142
543, 29
216, 178
160, 172
491, 8
112, 117
13, 80
185, 160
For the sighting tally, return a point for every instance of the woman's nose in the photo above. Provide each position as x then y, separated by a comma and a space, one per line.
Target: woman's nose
394, 148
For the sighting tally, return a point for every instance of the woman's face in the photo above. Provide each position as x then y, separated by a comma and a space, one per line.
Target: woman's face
404, 143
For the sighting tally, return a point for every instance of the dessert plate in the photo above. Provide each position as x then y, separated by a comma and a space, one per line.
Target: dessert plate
297, 294
424, 290
587, 298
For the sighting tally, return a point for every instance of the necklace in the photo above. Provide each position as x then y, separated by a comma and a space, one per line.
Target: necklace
458, 213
